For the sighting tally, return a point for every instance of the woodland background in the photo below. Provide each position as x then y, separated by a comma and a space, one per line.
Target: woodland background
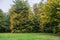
44, 17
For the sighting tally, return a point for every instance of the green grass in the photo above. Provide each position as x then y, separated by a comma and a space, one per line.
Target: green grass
28, 36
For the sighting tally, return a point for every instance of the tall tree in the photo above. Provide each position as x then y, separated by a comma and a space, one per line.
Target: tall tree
52, 9
19, 16
39, 14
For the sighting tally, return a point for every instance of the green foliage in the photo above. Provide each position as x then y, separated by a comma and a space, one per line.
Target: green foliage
18, 23
52, 11
48, 14
4, 25
45, 17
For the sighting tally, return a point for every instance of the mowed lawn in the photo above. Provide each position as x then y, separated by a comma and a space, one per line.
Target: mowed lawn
28, 36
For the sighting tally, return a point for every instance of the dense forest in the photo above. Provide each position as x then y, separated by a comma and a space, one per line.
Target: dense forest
43, 17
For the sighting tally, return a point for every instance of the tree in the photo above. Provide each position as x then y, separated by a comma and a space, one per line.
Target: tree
52, 8
19, 16
6, 22
39, 14
1, 20
48, 13
3, 24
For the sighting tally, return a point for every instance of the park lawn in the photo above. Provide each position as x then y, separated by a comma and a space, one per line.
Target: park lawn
28, 36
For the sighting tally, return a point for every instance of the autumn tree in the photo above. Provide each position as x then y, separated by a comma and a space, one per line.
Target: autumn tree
51, 10
55, 8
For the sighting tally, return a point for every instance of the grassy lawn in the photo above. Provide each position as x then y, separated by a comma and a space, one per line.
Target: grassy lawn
28, 36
